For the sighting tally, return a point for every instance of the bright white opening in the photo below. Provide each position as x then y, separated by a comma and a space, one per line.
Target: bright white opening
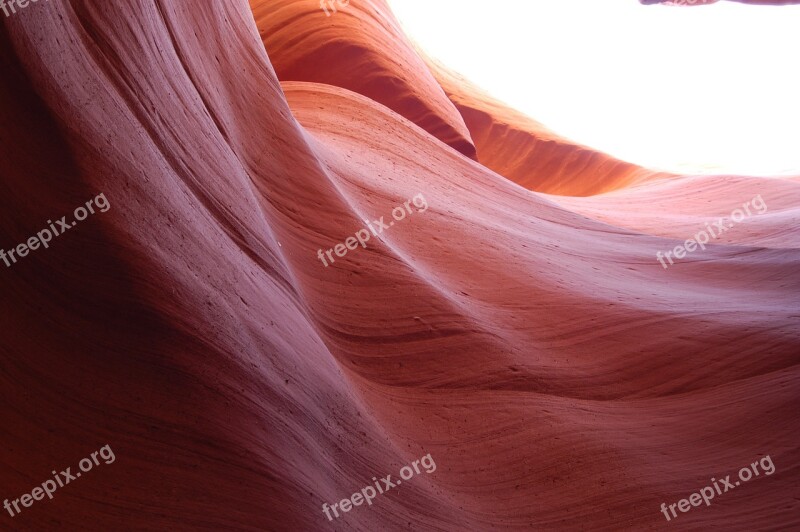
706, 89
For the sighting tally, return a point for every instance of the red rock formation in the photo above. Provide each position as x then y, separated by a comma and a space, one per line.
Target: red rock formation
680, 207
559, 377
360, 47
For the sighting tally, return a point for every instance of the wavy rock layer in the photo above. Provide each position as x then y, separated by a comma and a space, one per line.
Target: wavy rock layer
768, 209
359, 47
558, 378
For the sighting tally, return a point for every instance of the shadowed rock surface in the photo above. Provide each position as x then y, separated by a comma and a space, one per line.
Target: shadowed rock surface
532, 344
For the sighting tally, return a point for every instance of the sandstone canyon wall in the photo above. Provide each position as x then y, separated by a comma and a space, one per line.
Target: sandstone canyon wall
560, 378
